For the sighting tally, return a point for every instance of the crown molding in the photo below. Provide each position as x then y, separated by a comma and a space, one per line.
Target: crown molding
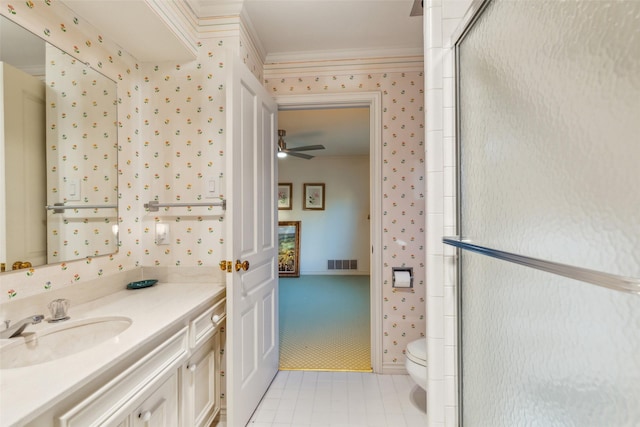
353, 64
215, 9
338, 55
219, 26
227, 20
252, 36
180, 20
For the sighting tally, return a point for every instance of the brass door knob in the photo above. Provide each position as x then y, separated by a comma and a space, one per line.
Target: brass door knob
242, 265
18, 265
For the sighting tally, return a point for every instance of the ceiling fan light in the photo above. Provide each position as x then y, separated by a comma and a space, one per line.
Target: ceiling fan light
282, 154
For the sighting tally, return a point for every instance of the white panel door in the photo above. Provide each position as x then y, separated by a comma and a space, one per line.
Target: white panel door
252, 295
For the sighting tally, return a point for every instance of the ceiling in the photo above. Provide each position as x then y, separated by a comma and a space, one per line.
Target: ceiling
319, 29
343, 131
285, 30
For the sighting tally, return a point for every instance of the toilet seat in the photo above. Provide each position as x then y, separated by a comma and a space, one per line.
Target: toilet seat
417, 351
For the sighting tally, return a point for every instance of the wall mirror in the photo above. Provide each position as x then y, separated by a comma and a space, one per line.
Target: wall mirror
58, 154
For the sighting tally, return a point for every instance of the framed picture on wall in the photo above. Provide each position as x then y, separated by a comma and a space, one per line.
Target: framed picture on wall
289, 248
313, 197
285, 190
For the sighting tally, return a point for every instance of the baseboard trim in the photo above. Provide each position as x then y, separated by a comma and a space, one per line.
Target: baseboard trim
393, 369
221, 419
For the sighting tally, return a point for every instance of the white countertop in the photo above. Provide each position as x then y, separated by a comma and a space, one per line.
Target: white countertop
27, 392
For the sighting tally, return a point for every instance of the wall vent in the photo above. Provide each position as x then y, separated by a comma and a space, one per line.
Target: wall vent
342, 264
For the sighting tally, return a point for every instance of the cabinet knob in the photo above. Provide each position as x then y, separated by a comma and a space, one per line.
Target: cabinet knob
145, 416
215, 318
192, 367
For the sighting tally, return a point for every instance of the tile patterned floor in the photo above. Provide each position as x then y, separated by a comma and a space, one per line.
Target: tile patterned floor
353, 399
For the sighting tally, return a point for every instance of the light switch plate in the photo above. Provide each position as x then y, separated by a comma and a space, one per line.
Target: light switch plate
210, 191
72, 189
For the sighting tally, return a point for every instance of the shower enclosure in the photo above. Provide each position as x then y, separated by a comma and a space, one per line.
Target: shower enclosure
548, 129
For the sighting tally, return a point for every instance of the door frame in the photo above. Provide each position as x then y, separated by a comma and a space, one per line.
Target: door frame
372, 100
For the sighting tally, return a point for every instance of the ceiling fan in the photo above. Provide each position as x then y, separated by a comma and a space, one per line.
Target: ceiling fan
283, 151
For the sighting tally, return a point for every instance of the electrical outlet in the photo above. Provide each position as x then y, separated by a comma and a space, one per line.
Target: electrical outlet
162, 233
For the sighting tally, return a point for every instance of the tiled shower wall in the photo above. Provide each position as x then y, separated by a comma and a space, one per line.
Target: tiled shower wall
442, 17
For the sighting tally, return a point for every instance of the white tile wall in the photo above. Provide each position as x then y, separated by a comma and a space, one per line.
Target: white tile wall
435, 181
442, 17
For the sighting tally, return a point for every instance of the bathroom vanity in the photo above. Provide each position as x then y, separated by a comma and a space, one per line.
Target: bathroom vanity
145, 357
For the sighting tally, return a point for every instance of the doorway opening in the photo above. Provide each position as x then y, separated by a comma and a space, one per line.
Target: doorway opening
341, 239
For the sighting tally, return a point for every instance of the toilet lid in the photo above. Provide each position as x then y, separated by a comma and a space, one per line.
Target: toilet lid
417, 351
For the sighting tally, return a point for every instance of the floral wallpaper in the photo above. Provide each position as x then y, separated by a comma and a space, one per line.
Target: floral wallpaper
403, 187
82, 161
183, 149
171, 142
248, 55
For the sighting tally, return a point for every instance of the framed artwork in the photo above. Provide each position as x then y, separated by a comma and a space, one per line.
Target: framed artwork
313, 197
285, 190
289, 248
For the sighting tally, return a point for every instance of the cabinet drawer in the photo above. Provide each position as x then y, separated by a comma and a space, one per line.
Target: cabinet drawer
203, 326
107, 405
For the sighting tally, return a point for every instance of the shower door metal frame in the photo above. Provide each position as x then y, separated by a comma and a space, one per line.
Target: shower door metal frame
471, 16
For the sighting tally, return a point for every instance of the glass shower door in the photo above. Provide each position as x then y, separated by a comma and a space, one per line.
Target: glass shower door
549, 155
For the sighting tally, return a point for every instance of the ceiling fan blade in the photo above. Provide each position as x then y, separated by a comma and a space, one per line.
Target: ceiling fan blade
302, 156
307, 148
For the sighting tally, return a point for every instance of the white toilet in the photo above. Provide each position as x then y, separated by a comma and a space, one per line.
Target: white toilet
416, 362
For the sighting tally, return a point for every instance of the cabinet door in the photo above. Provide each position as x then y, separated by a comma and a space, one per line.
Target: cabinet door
160, 409
200, 384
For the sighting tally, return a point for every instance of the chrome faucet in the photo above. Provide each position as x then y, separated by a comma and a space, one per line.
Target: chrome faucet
17, 328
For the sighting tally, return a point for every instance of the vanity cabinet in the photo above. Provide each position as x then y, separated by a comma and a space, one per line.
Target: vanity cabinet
111, 403
177, 383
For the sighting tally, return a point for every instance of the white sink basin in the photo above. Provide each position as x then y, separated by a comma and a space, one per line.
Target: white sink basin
60, 341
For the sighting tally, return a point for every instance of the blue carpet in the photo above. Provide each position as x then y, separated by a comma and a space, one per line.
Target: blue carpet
325, 323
